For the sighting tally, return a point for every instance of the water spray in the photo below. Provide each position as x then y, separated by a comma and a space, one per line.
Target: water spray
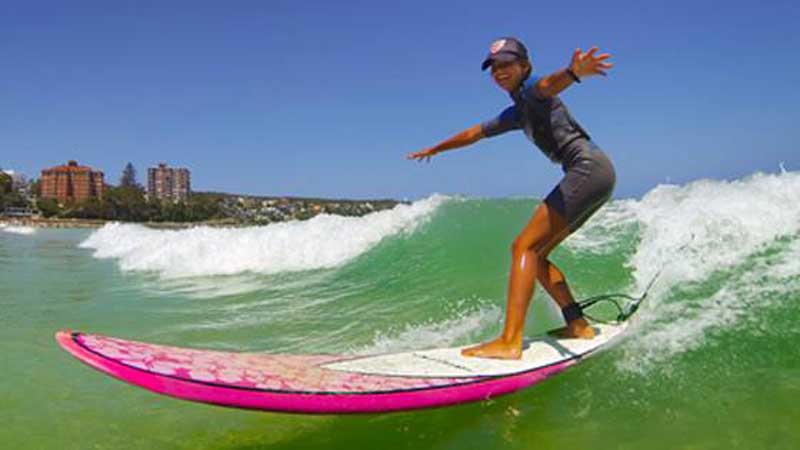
630, 308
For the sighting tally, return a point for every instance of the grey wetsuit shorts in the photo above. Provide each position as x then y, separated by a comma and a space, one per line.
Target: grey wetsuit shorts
588, 182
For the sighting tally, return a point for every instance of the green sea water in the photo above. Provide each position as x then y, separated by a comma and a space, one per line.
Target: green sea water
711, 361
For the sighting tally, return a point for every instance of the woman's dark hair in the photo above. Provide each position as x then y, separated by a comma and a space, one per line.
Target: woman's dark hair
530, 68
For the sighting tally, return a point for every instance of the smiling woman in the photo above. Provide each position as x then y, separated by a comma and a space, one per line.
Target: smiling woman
587, 184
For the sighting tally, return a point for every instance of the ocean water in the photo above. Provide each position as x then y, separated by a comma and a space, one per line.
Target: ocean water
711, 362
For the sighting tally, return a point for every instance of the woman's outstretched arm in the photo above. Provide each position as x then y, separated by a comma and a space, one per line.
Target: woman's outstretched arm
582, 65
467, 137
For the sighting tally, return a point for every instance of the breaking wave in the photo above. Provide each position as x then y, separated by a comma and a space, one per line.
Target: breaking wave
725, 249
324, 241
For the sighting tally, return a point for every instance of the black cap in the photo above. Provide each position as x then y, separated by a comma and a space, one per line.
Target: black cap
505, 49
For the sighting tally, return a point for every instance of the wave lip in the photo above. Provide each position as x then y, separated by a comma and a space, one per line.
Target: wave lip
709, 225
324, 241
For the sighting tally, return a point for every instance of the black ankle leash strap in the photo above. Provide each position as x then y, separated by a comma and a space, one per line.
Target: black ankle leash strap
572, 312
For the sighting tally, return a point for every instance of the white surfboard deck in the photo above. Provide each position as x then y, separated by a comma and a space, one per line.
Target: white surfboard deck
539, 352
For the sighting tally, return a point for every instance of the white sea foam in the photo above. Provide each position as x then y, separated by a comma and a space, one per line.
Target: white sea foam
709, 225
603, 231
695, 231
324, 241
17, 229
463, 328
789, 266
205, 287
676, 327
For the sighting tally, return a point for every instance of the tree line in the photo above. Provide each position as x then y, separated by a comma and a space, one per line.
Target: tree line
8, 196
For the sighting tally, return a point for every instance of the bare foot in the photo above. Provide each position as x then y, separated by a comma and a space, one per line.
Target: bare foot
577, 329
497, 349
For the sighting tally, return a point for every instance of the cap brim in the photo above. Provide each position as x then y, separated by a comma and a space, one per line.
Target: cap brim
501, 56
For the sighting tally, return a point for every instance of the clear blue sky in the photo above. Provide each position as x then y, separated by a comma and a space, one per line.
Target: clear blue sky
326, 98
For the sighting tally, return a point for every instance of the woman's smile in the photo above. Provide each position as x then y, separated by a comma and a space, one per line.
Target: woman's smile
507, 75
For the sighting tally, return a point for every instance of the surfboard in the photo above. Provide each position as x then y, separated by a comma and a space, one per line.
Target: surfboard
330, 384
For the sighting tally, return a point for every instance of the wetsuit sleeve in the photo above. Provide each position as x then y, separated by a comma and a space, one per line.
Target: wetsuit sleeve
530, 87
507, 120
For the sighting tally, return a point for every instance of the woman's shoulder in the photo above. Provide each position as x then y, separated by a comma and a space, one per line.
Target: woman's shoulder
530, 90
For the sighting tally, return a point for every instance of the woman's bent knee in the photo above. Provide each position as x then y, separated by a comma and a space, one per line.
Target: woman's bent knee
520, 247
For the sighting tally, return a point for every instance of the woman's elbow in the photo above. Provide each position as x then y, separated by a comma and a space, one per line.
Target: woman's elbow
475, 133
542, 89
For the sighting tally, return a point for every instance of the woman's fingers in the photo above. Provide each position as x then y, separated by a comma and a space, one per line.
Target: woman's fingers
590, 63
576, 56
424, 155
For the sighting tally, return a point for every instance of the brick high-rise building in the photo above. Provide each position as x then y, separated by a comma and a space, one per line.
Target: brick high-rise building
71, 183
168, 183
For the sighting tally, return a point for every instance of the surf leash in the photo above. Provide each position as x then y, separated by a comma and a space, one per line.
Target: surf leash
624, 313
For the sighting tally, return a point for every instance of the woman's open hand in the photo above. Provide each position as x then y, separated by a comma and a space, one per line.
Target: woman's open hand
586, 64
423, 155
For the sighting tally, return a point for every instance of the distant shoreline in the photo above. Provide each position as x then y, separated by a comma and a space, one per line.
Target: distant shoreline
88, 223
239, 211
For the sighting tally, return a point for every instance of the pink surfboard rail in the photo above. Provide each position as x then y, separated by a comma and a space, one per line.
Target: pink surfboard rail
282, 382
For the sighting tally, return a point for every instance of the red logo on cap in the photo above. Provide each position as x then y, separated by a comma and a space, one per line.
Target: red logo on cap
497, 45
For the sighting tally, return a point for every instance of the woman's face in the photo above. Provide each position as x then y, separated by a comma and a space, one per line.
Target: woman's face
508, 75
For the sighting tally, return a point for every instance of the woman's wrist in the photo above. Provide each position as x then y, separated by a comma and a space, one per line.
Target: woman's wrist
573, 75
